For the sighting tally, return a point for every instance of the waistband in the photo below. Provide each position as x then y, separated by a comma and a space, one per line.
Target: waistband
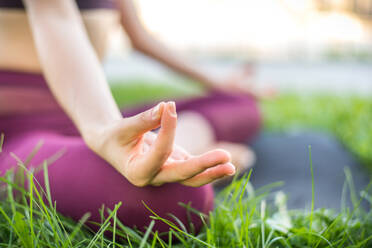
24, 93
82, 4
22, 79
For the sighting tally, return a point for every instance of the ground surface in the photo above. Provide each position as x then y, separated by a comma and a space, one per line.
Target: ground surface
284, 157
243, 217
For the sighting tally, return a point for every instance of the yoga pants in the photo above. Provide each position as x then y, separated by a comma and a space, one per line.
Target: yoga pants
82, 182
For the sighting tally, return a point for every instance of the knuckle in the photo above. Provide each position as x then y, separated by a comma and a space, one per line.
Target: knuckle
158, 184
143, 117
183, 175
165, 153
139, 182
205, 165
202, 164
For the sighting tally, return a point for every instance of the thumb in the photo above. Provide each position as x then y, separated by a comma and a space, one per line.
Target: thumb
144, 122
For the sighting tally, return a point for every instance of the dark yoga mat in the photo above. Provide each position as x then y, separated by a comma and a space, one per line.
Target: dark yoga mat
285, 157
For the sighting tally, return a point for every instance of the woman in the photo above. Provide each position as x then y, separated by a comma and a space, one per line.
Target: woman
53, 90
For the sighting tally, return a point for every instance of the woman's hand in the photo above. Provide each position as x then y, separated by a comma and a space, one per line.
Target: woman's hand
242, 81
146, 158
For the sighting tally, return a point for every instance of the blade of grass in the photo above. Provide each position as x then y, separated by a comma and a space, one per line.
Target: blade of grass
312, 194
145, 237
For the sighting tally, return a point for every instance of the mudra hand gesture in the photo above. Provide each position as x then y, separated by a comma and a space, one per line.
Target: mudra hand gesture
146, 158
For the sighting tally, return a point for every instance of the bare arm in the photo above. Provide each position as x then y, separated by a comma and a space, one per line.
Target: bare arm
76, 79
70, 65
145, 43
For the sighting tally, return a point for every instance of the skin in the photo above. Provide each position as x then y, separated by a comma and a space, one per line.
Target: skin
76, 79
148, 45
81, 40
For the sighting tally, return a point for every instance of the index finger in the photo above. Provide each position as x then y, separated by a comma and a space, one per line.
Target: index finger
163, 145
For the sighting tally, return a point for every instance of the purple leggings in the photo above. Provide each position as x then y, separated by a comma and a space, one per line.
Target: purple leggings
81, 182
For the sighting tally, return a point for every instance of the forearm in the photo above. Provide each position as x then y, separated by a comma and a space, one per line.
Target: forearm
145, 43
69, 63
154, 49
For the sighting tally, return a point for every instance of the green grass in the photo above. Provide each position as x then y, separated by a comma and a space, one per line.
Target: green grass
138, 91
349, 118
243, 217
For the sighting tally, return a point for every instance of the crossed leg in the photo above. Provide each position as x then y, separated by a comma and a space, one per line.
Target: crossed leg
81, 182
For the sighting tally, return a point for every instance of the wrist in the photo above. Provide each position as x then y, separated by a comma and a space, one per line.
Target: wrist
95, 135
209, 82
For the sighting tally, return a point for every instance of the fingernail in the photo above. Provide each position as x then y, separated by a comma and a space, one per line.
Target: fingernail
233, 168
155, 113
172, 109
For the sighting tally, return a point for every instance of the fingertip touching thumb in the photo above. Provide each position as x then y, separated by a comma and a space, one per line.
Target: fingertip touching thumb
156, 112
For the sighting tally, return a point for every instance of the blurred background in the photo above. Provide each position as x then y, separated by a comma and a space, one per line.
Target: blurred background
316, 53
301, 46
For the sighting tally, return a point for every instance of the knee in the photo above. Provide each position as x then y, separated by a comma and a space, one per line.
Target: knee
250, 118
96, 184
236, 118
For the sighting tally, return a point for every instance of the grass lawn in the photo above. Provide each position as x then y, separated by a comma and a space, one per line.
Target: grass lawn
244, 217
